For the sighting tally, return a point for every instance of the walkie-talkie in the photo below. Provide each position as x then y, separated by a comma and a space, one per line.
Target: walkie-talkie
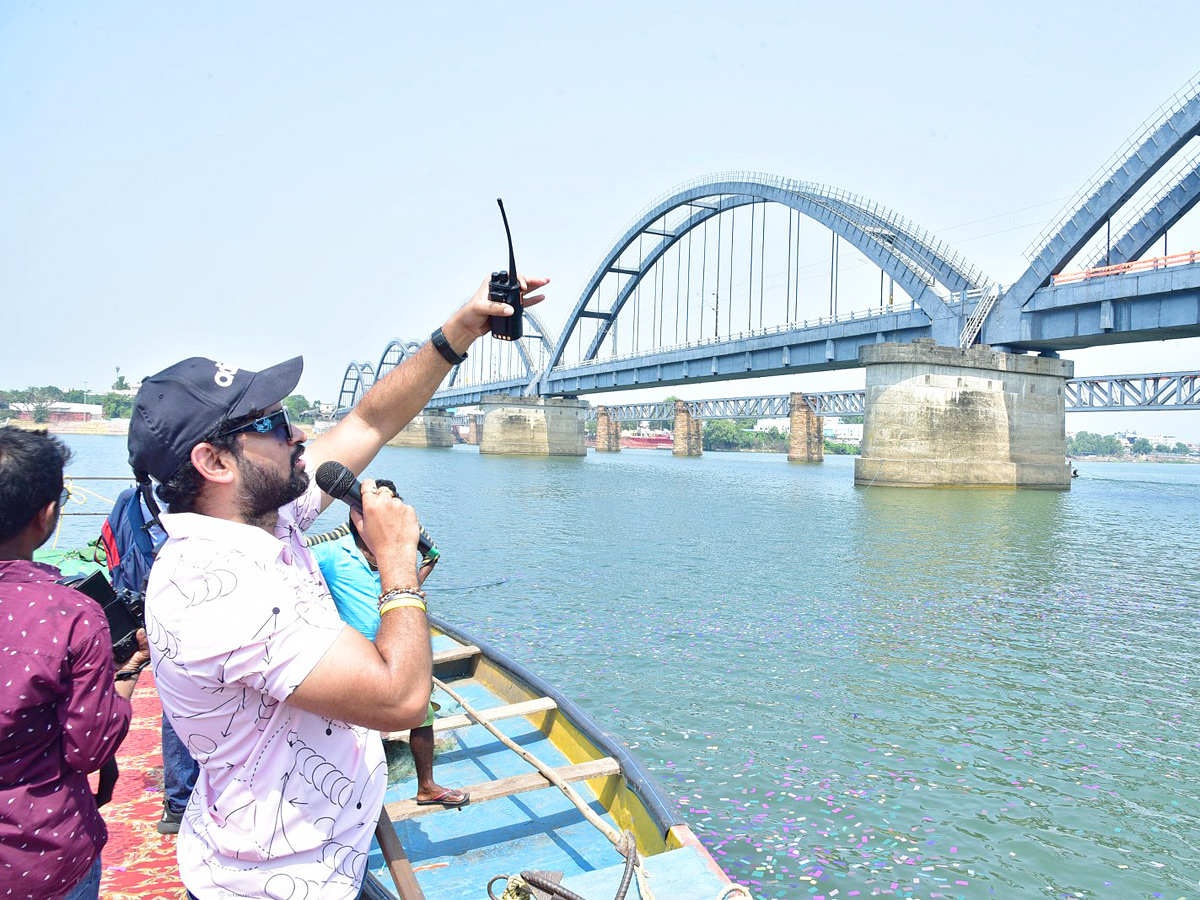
505, 288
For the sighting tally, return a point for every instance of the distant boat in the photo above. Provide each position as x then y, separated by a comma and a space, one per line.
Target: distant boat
648, 441
517, 819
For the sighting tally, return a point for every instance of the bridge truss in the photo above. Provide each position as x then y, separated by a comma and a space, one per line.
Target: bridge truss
1165, 390
1106, 393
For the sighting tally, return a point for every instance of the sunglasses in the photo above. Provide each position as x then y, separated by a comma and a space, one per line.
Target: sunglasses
279, 422
64, 497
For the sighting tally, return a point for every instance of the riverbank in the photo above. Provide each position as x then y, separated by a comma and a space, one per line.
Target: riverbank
95, 426
1147, 458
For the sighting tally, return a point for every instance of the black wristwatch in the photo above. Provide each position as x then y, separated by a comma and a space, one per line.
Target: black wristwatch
444, 348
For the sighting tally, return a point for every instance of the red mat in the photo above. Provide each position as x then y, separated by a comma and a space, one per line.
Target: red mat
139, 863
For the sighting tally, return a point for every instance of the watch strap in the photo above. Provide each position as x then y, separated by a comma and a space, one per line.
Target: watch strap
443, 347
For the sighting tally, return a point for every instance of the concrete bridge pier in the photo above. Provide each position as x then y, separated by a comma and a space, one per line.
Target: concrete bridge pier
532, 426
807, 440
429, 428
941, 416
689, 432
474, 429
608, 432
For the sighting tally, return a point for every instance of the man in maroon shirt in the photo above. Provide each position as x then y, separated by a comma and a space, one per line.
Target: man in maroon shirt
62, 713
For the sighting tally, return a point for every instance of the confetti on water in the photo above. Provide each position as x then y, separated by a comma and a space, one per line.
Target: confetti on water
909, 752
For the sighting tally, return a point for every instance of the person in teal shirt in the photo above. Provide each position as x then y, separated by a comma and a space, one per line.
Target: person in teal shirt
349, 570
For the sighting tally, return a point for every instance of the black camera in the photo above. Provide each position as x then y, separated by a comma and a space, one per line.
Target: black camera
124, 610
505, 288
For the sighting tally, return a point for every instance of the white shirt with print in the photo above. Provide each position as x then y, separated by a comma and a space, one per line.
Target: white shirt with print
286, 801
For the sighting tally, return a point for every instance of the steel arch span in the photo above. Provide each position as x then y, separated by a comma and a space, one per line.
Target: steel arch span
1173, 198
356, 381
396, 352
1164, 136
923, 266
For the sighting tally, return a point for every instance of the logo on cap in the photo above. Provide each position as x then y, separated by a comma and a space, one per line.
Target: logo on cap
225, 373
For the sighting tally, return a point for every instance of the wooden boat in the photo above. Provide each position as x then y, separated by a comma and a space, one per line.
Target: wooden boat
517, 820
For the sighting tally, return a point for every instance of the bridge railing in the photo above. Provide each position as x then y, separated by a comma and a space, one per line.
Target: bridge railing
1141, 265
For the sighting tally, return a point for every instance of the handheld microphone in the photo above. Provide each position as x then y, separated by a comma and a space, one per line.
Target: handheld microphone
340, 484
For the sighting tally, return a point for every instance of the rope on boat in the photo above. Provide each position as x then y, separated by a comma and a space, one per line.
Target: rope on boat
735, 889
614, 836
75, 492
311, 540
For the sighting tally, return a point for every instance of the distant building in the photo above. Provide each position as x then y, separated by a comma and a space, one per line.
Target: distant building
61, 411
839, 432
768, 424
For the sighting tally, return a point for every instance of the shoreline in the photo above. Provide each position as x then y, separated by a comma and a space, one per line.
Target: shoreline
1145, 458
119, 427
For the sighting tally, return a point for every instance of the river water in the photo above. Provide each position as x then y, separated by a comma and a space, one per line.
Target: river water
850, 691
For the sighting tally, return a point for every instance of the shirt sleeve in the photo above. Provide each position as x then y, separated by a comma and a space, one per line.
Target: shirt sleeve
93, 716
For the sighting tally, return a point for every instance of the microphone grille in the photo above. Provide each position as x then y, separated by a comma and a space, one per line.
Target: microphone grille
334, 479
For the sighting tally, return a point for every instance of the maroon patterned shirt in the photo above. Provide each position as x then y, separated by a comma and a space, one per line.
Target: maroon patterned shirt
60, 718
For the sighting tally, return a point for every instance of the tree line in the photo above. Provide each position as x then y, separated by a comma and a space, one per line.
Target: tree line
114, 405
1085, 443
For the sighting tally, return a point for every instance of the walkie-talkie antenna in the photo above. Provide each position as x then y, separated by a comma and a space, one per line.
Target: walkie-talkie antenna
512, 261
507, 289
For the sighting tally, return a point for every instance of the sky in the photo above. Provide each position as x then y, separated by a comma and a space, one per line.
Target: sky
250, 182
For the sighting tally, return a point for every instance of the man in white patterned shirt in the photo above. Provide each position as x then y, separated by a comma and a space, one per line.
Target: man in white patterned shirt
272, 694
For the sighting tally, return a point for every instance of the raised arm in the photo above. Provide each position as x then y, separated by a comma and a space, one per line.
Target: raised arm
393, 401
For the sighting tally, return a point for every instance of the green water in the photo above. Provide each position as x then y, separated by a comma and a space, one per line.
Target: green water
853, 692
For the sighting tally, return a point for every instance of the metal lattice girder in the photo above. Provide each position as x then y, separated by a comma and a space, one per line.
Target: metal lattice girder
636, 412
1162, 390
741, 408
830, 403
837, 403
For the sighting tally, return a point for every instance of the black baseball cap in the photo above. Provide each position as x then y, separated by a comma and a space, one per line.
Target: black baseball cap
180, 406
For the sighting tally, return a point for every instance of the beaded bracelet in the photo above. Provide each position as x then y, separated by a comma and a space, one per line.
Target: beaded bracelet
401, 597
396, 592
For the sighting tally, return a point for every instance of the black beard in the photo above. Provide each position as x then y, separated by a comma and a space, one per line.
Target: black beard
264, 491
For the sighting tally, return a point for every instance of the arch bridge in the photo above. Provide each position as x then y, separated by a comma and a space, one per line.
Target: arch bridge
746, 274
